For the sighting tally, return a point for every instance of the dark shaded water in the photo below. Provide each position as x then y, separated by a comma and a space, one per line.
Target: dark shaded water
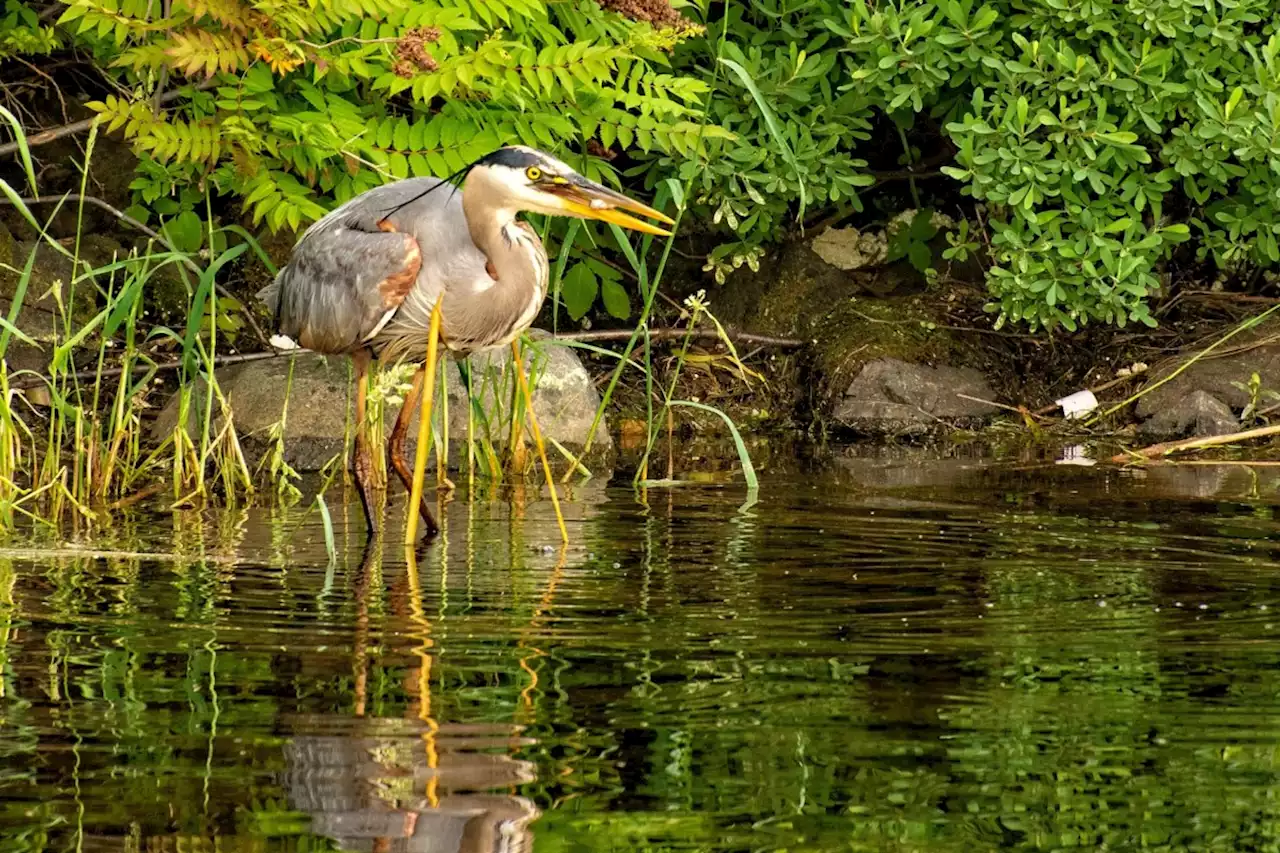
890, 655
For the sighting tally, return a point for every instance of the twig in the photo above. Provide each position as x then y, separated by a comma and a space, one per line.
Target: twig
150, 232
669, 334
138, 369
1168, 447
1242, 463
81, 126
971, 329
348, 40
1229, 297
1017, 410
242, 358
41, 73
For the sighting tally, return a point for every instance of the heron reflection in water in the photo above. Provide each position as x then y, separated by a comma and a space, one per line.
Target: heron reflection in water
406, 265
407, 784
368, 785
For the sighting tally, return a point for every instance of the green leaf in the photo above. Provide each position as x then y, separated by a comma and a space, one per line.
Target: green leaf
185, 232
578, 289
616, 299
920, 256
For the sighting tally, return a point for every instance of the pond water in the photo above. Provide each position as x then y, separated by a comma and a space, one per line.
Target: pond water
886, 652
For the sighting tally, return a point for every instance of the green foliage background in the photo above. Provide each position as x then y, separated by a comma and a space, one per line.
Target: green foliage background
1097, 136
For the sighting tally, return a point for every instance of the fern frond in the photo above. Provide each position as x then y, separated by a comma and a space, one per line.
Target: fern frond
197, 51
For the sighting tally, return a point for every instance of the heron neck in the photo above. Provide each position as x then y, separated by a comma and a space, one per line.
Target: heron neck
510, 250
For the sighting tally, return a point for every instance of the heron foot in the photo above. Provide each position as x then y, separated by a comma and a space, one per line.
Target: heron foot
372, 497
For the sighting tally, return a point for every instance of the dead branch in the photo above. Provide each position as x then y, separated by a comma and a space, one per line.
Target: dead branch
45, 136
242, 358
678, 334
1167, 447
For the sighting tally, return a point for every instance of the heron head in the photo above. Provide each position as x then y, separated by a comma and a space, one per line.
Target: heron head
527, 179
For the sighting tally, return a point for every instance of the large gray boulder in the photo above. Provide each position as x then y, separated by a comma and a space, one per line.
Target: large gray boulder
1203, 398
890, 395
321, 403
1197, 414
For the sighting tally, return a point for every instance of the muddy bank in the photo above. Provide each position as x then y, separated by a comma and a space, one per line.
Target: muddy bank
894, 354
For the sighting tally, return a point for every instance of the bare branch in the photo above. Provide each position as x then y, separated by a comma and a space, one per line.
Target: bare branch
45, 136
242, 358
675, 334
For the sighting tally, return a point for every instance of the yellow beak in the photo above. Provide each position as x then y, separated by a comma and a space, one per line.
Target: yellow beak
590, 200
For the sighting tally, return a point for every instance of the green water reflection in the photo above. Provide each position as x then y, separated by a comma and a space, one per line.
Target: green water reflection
887, 655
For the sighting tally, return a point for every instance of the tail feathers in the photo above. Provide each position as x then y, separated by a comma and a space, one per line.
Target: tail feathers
270, 295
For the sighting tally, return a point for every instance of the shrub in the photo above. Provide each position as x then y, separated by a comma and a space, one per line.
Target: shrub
1097, 134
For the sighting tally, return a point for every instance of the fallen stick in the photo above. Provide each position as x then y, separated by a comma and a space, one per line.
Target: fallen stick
1241, 463
662, 334
1167, 447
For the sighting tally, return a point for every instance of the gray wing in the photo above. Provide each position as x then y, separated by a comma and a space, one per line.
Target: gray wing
349, 272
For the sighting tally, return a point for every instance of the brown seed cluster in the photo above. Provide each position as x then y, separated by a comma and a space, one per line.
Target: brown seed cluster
412, 55
656, 12
596, 149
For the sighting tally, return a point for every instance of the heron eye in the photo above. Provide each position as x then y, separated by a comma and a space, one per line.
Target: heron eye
533, 173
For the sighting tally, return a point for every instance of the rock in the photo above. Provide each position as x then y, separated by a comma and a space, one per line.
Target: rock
1198, 413
890, 395
850, 249
565, 401
1225, 378
852, 310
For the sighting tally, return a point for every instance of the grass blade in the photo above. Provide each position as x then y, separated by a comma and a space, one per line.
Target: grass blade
748, 470
24, 153
771, 121
330, 546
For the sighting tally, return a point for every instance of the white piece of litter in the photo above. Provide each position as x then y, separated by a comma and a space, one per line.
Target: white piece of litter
1078, 404
1076, 455
283, 342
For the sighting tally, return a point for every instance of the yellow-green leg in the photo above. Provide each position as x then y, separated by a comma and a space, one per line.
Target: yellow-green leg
424, 427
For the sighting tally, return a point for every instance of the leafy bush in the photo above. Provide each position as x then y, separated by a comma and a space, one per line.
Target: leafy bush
1097, 134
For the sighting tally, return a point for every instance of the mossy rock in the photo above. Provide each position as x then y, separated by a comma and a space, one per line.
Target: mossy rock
848, 317
54, 279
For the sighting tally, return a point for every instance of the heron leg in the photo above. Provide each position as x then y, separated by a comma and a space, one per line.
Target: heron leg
424, 426
537, 438
395, 448
362, 465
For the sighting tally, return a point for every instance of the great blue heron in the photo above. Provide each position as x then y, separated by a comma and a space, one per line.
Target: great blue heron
411, 262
